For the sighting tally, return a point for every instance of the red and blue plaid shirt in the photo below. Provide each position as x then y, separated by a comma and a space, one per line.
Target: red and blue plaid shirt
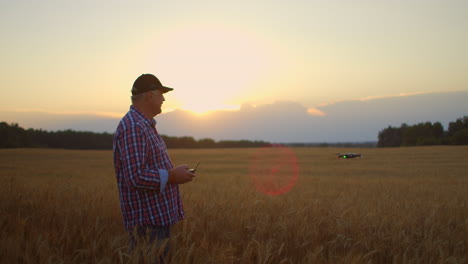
141, 164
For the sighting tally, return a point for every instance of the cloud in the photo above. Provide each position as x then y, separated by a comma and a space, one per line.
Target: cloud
37, 111
353, 120
58, 120
345, 121
315, 112
370, 98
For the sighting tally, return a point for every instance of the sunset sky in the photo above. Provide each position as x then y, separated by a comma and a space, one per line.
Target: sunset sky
83, 56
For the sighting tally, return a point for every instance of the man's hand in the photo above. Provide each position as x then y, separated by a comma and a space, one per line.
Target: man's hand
180, 175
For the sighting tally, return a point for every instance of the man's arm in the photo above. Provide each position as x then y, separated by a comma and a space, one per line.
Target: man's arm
133, 154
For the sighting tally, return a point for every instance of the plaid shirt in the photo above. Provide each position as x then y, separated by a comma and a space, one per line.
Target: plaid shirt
141, 165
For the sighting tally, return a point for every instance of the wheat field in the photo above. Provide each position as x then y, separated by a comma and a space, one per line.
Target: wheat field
396, 205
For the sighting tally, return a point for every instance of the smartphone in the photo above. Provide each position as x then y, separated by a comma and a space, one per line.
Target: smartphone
194, 169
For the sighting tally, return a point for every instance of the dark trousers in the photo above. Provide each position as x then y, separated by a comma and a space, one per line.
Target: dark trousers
151, 236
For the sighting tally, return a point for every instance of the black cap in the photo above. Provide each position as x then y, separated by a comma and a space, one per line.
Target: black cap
148, 82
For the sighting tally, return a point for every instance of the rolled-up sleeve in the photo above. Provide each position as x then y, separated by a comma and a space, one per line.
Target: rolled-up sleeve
164, 176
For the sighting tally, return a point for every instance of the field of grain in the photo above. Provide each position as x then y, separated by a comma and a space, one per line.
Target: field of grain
398, 205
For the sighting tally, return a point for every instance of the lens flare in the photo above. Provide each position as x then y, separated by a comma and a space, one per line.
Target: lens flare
273, 169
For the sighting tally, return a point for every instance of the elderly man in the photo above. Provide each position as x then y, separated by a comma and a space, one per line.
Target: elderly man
148, 182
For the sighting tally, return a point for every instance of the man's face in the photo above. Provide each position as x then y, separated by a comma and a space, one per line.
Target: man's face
156, 99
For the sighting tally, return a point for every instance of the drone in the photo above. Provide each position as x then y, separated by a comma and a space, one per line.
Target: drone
349, 155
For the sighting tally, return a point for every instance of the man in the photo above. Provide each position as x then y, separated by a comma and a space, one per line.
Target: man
147, 181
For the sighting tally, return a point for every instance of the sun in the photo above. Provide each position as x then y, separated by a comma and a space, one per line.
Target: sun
211, 67
203, 109
198, 109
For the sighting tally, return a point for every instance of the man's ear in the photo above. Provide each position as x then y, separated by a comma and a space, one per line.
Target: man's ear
148, 96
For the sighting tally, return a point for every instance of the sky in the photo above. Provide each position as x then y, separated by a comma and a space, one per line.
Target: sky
81, 57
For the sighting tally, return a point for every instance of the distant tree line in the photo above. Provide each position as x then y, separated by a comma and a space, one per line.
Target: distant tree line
190, 142
424, 134
14, 136
367, 144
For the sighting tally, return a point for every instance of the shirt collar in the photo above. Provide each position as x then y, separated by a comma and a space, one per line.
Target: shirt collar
150, 122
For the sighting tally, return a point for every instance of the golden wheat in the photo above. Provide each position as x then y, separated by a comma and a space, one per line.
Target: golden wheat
399, 205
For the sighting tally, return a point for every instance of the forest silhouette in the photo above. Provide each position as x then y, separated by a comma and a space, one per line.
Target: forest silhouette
422, 134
